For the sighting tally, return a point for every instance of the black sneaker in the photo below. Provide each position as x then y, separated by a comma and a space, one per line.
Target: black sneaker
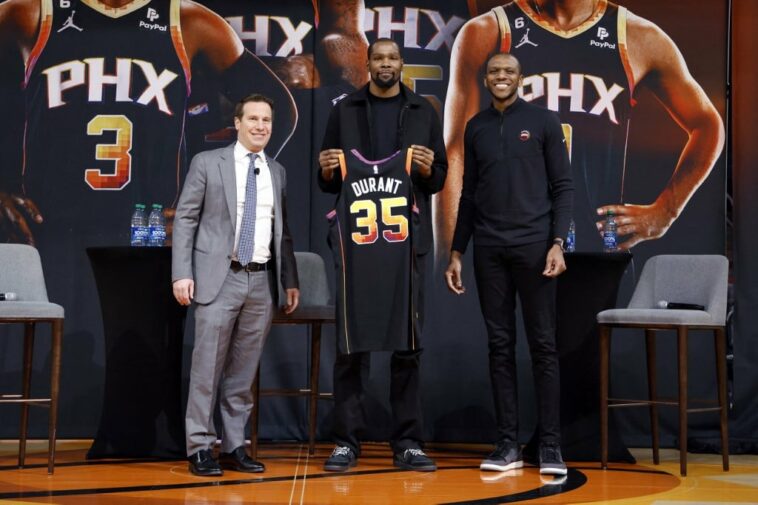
506, 456
342, 459
414, 459
551, 462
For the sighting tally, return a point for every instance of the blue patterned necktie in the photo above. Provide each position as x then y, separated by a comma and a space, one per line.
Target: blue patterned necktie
247, 227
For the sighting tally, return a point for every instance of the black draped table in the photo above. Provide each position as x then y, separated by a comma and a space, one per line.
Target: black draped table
144, 328
589, 285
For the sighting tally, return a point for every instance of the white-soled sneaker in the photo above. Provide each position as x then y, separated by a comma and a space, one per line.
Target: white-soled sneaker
551, 462
506, 456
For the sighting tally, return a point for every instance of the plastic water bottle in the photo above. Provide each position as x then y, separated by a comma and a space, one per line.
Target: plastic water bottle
157, 224
609, 233
139, 226
571, 237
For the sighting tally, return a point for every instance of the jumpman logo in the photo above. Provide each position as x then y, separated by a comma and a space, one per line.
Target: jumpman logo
69, 23
525, 40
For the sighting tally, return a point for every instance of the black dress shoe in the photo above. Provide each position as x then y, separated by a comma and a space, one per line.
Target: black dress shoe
239, 460
202, 464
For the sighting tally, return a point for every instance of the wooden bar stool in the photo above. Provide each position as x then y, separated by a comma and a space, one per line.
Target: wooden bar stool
690, 279
313, 310
21, 273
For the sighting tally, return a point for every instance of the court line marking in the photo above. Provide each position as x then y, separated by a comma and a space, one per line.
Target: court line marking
305, 476
575, 480
259, 480
294, 477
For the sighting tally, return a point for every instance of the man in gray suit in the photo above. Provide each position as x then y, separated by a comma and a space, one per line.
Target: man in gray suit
232, 254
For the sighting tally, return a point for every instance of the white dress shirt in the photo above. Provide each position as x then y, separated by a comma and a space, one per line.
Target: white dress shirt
264, 209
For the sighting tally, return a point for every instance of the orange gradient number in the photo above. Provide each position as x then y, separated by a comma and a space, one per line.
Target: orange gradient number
400, 221
369, 222
119, 153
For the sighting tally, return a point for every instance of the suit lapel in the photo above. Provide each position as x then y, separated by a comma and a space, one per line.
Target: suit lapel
276, 179
229, 181
276, 183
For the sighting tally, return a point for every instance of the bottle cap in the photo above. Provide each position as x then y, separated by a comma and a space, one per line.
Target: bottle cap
157, 206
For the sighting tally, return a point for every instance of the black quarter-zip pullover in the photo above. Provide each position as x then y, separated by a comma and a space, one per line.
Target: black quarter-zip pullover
517, 186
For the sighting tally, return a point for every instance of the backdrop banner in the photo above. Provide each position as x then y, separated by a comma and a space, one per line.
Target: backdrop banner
104, 108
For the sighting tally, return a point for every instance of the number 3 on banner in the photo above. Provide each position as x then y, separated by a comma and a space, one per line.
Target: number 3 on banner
118, 152
368, 220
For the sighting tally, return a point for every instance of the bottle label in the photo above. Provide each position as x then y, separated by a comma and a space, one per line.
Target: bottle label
609, 240
158, 231
570, 242
139, 235
157, 235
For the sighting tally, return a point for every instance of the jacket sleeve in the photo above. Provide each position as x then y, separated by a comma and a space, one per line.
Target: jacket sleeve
436, 180
289, 277
187, 218
464, 225
331, 141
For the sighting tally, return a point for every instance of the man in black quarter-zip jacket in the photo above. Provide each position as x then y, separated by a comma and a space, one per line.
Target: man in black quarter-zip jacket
516, 201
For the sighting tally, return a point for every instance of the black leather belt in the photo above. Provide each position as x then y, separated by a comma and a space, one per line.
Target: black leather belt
251, 267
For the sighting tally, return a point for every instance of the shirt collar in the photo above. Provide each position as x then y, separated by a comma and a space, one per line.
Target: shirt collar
241, 152
515, 105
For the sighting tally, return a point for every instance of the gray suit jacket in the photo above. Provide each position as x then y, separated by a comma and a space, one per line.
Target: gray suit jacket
203, 236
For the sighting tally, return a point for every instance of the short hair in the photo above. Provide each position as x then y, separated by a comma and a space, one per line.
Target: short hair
254, 97
518, 63
380, 40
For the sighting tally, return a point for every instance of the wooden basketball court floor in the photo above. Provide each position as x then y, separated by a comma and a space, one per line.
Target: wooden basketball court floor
294, 477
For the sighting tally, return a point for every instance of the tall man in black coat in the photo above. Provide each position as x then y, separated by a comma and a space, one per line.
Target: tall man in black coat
378, 120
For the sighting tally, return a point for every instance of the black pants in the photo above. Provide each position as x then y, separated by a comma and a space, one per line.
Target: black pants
350, 370
501, 273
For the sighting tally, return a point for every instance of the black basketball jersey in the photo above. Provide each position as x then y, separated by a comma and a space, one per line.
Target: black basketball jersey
106, 93
371, 231
584, 75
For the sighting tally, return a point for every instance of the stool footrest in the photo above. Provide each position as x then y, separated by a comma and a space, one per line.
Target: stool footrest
25, 400
285, 392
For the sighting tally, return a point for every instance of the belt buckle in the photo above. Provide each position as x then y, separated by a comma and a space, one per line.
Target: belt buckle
250, 267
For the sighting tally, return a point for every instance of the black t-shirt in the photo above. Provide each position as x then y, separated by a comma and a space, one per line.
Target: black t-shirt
384, 124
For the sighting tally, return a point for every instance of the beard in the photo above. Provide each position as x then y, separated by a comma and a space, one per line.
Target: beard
385, 84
